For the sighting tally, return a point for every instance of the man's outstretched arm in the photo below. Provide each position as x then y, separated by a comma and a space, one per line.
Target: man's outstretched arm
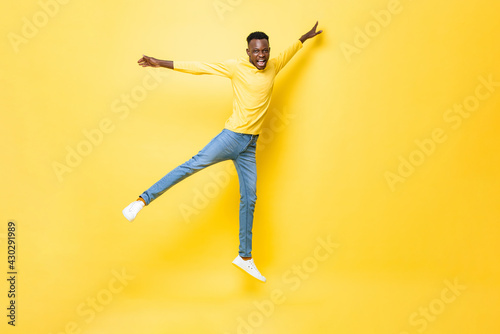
224, 68
310, 34
146, 61
285, 56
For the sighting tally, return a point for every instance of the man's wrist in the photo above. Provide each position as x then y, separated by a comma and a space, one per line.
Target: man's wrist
166, 63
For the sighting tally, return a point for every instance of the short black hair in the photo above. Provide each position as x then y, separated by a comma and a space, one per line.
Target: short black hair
257, 35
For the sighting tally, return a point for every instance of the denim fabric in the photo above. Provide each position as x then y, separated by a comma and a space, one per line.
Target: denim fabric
227, 145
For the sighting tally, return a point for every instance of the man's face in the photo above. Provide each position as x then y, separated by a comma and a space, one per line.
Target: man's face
258, 52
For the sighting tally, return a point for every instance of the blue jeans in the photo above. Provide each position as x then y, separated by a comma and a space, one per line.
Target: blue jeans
226, 145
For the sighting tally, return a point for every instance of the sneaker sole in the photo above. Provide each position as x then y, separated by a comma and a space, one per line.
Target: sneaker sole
246, 272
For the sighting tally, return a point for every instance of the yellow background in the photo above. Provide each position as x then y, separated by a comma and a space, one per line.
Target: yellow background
346, 120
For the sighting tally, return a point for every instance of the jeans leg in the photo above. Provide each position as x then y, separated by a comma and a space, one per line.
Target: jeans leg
217, 150
247, 174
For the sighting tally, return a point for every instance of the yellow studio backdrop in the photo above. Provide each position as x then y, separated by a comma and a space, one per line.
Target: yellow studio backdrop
377, 182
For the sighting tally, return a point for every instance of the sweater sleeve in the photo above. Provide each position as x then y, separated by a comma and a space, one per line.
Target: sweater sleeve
286, 55
223, 69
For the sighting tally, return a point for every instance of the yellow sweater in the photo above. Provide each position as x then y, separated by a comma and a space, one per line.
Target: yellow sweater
252, 88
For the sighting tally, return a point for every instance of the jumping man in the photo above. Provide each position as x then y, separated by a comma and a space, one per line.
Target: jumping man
252, 80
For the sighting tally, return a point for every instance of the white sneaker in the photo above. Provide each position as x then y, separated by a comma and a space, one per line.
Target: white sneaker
132, 210
249, 267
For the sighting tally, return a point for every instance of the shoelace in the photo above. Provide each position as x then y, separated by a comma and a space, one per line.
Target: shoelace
251, 265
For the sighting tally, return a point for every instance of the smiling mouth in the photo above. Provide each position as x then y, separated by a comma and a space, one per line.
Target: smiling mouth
261, 62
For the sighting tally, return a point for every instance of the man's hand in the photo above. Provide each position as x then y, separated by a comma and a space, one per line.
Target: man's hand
146, 61
310, 34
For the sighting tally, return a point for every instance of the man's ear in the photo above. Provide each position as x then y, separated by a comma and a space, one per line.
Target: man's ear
248, 52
